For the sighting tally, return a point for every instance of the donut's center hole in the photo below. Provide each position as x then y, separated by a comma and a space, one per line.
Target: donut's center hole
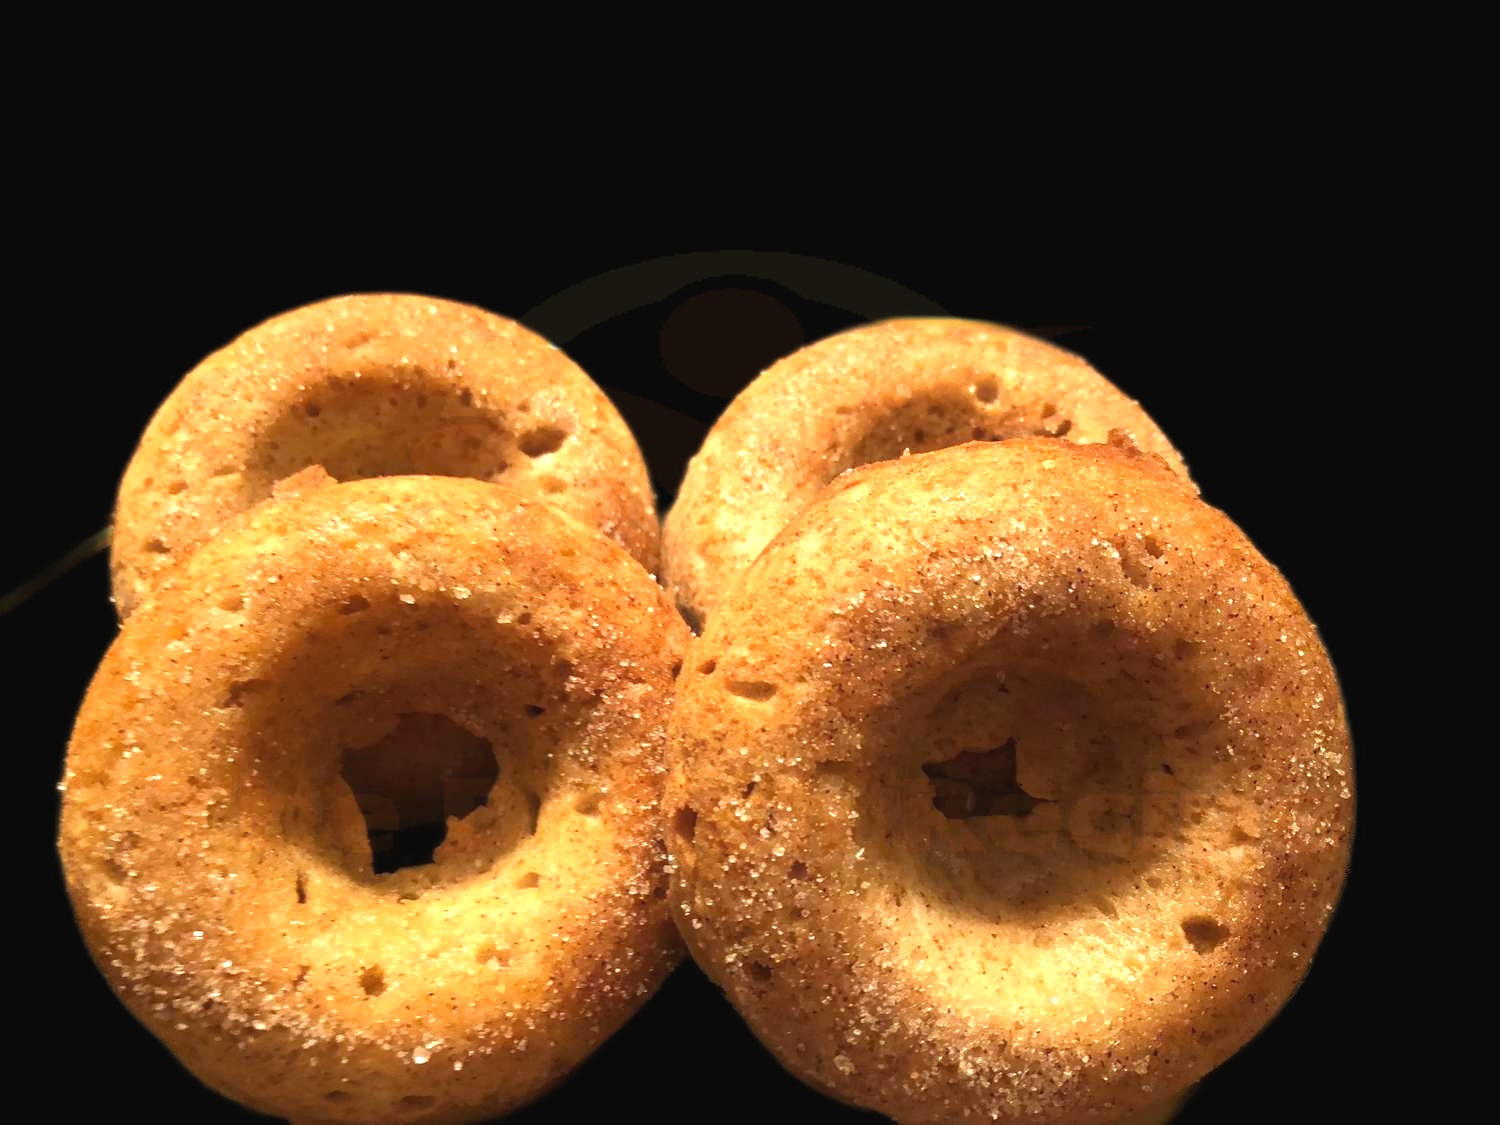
980, 783
394, 423
407, 785
970, 408
1049, 779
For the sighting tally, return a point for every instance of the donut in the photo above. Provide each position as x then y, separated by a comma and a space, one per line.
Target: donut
1011, 783
349, 663
375, 385
870, 394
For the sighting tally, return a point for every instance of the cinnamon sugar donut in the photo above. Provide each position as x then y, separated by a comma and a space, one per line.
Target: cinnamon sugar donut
866, 395
416, 648
1010, 784
375, 385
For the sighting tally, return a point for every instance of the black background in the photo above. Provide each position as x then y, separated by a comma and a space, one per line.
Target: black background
1254, 390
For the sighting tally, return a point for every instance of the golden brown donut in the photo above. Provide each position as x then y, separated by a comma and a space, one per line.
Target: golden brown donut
375, 385
408, 636
866, 395
1010, 784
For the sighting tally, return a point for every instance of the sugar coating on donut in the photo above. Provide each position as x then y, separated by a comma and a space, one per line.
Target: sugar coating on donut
375, 385
871, 394
335, 663
1011, 784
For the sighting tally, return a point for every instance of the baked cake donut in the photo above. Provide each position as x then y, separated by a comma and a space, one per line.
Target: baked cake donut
1011, 783
865, 395
445, 647
375, 385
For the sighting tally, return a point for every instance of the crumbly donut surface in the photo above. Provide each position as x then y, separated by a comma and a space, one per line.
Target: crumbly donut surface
870, 394
375, 385
220, 867
1011, 784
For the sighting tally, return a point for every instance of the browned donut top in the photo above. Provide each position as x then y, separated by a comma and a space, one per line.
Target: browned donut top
867, 395
1012, 783
435, 647
375, 385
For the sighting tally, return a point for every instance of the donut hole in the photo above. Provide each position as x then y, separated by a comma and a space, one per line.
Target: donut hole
1049, 778
413, 746
980, 783
390, 423
932, 420
407, 785
938, 418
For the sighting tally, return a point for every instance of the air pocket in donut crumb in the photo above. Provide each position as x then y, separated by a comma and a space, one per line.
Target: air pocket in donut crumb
542, 440
240, 690
588, 803
758, 690
372, 980
1205, 934
354, 604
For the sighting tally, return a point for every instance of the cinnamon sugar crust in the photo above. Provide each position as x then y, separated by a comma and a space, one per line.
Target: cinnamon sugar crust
375, 385
1011, 783
865, 395
302, 676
